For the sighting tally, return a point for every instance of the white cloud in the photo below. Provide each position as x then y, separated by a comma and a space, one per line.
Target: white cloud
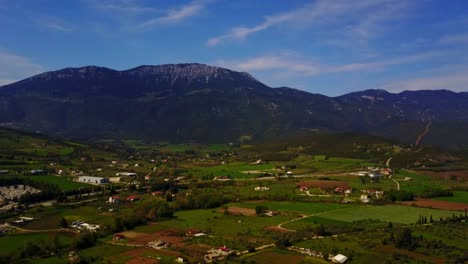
176, 15
450, 81
455, 39
359, 18
14, 67
294, 65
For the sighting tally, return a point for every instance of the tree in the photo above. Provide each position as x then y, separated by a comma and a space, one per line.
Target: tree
63, 222
260, 210
165, 211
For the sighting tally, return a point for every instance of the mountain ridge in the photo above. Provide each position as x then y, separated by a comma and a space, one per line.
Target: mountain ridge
208, 103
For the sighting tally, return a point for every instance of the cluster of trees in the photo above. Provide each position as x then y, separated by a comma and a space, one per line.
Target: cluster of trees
400, 195
201, 200
148, 211
432, 193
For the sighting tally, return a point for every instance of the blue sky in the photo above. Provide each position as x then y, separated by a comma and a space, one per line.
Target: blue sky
323, 46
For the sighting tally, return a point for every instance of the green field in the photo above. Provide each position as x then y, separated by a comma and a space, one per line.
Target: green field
87, 213
458, 197
321, 163
62, 182
388, 213
215, 222
12, 242
235, 170
297, 207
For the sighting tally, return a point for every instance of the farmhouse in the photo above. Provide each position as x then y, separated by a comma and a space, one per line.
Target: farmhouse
81, 225
126, 174
36, 172
118, 237
375, 175
93, 180
114, 199
194, 233
217, 254
157, 244
133, 198
339, 259
386, 171
222, 178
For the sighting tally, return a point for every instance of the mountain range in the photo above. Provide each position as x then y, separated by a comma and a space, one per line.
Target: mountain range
197, 102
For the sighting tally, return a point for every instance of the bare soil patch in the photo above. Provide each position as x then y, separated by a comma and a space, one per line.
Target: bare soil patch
323, 184
131, 234
170, 237
137, 257
416, 256
240, 211
444, 205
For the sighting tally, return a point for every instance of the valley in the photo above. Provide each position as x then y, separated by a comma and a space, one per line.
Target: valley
236, 203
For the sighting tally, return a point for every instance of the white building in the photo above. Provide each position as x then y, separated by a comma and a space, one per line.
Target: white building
339, 258
126, 174
93, 180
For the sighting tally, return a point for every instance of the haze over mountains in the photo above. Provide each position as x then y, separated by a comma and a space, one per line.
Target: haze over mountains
210, 104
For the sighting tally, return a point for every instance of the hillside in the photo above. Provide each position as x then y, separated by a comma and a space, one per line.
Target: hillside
196, 102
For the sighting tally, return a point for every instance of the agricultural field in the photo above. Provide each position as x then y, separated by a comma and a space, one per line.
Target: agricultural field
306, 208
387, 213
322, 163
63, 182
236, 170
13, 242
458, 197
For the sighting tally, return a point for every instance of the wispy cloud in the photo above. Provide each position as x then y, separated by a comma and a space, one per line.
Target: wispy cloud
124, 6
454, 39
359, 18
14, 67
176, 15
294, 65
54, 24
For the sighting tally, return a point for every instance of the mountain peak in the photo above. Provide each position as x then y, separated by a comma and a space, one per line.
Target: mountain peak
189, 71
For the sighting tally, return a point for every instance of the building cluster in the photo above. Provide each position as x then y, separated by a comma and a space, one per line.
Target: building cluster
22, 220
157, 244
83, 226
262, 188
215, 254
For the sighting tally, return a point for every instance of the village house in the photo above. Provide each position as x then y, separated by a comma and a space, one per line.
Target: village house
118, 237
36, 172
157, 244
262, 188
386, 172
181, 260
340, 258
132, 198
126, 174
114, 199
365, 198
222, 178
194, 233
